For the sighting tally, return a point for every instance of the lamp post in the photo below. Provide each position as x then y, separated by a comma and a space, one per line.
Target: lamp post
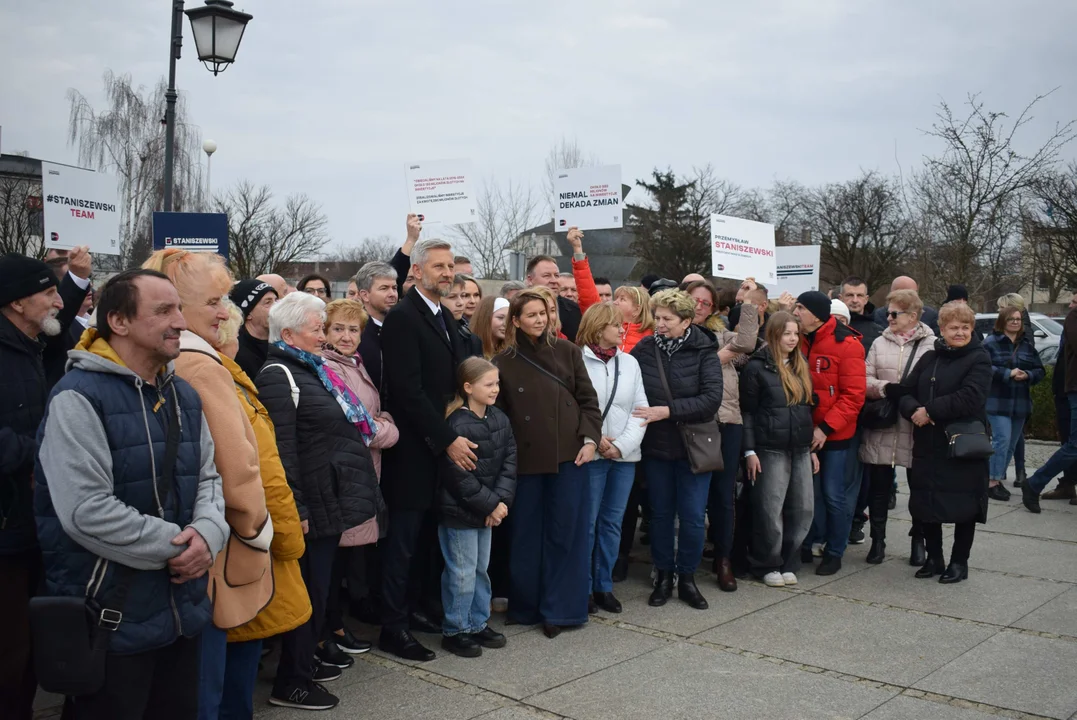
209, 147
217, 30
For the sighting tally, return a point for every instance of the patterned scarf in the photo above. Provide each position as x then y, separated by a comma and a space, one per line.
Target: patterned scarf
603, 354
671, 345
351, 405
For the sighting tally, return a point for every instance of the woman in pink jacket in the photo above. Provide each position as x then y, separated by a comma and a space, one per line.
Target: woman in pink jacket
345, 320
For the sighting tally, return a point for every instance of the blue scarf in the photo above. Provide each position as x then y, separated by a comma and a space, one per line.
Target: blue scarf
351, 405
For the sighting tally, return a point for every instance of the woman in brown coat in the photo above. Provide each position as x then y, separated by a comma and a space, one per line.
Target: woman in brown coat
548, 396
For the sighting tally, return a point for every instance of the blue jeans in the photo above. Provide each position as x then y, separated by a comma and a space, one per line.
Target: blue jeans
1064, 457
1005, 432
676, 492
611, 484
465, 584
833, 512
227, 676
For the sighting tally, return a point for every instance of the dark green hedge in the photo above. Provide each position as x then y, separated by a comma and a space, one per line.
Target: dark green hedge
1041, 425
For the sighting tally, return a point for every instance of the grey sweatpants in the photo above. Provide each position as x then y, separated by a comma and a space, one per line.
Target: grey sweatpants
783, 505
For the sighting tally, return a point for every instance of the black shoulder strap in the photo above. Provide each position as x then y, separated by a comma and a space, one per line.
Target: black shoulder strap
109, 618
613, 393
662, 375
912, 356
543, 370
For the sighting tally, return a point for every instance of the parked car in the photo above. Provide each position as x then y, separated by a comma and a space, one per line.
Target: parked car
1046, 332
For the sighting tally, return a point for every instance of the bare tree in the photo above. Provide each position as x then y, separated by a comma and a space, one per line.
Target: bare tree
20, 217
968, 197
127, 139
1049, 221
565, 155
382, 247
263, 236
503, 213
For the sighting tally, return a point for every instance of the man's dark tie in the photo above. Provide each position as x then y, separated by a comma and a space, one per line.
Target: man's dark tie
440, 317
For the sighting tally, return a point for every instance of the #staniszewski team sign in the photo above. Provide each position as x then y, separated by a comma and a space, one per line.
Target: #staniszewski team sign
195, 232
439, 191
588, 198
798, 268
742, 248
81, 208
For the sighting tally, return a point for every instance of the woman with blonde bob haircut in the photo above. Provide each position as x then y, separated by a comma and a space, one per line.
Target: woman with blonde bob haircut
557, 422
203, 283
619, 385
635, 306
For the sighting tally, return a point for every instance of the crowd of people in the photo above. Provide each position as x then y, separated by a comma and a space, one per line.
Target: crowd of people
195, 469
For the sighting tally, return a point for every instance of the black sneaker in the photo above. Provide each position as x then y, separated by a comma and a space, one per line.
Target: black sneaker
351, 644
856, 533
330, 654
997, 492
489, 638
311, 696
830, 565
463, 645
326, 673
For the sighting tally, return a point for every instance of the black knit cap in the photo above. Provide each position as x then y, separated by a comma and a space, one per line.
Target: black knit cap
957, 292
817, 303
22, 276
248, 293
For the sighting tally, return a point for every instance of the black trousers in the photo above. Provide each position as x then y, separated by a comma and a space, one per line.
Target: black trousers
411, 570
334, 601
880, 482
160, 684
500, 557
638, 503
1062, 420
20, 575
963, 536
364, 574
297, 646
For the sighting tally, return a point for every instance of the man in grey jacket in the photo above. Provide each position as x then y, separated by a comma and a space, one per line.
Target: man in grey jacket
110, 513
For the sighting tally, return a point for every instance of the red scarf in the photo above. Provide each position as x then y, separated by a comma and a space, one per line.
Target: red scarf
603, 354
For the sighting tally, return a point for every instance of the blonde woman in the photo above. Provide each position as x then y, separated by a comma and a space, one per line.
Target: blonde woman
635, 306
775, 404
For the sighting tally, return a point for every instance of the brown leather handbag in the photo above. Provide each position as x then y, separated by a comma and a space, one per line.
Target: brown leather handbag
702, 440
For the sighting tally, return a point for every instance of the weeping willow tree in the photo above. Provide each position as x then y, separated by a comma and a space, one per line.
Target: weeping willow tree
126, 138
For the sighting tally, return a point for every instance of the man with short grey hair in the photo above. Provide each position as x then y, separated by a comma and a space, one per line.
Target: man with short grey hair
509, 289
566, 287
376, 283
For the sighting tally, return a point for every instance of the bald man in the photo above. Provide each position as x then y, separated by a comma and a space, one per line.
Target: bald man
929, 317
692, 277
279, 284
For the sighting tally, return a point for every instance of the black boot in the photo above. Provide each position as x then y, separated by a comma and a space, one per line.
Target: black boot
918, 553
1030, 498
933, 566
877, 553
663, 589
1021, 478
689, 593
955, 572
607, 602
620, 569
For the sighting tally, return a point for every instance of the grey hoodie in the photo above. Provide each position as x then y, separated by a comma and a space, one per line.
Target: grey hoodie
76, 457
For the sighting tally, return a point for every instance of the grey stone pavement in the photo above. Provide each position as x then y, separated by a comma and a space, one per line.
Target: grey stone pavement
870, 642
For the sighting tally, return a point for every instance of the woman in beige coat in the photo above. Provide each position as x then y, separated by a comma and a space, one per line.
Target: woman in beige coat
890, 358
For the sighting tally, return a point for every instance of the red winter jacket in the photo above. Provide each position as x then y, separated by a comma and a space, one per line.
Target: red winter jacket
839, 378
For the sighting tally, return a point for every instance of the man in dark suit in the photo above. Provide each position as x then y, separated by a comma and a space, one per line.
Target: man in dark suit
377, 285
421, 348
543, 270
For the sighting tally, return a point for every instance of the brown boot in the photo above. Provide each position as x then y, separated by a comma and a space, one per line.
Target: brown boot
727, 581
1064, 491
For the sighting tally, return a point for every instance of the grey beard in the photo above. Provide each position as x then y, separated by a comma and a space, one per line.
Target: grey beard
51, 326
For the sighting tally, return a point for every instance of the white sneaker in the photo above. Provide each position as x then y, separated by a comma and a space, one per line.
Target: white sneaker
789, 578
817, 549
774, 579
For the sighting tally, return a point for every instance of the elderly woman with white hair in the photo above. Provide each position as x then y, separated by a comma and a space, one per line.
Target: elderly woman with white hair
322, 435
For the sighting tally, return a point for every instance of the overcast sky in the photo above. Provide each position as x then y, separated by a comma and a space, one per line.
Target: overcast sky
333, 97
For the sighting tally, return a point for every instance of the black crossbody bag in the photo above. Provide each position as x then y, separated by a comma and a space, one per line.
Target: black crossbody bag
967, 439
883, 413
71, 634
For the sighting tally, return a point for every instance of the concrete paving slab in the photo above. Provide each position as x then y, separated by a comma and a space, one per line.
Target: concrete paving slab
1046, 559
1015, 671
516, 712
1058, 616
531, 662
682, 682
904, 707
990, 598
1050, 524
840, 635
396, 696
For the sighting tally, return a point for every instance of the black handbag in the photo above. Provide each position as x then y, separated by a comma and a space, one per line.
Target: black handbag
70, 635
967, 439
883, 413
702, 440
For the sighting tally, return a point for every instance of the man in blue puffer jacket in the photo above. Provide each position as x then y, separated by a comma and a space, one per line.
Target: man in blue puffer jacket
102, 500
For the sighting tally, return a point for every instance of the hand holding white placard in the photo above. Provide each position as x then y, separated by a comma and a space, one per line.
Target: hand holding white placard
81, 207
588, 198
440, 191
743, 248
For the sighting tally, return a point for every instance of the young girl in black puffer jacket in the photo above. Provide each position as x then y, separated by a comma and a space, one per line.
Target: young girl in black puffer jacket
471, 503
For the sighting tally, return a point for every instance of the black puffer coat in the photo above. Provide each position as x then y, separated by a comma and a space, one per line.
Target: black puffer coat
325, 459
694, 374
944, 490
770, 422
466, 498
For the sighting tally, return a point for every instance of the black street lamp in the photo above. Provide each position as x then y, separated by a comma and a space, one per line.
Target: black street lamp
217, 30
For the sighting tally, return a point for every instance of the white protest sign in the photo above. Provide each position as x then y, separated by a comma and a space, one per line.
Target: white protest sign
440, 191
742, 248
798, 268
588, 198
81, 208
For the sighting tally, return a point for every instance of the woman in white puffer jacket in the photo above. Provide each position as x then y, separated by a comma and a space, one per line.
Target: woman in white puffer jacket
617, 381
900, 346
